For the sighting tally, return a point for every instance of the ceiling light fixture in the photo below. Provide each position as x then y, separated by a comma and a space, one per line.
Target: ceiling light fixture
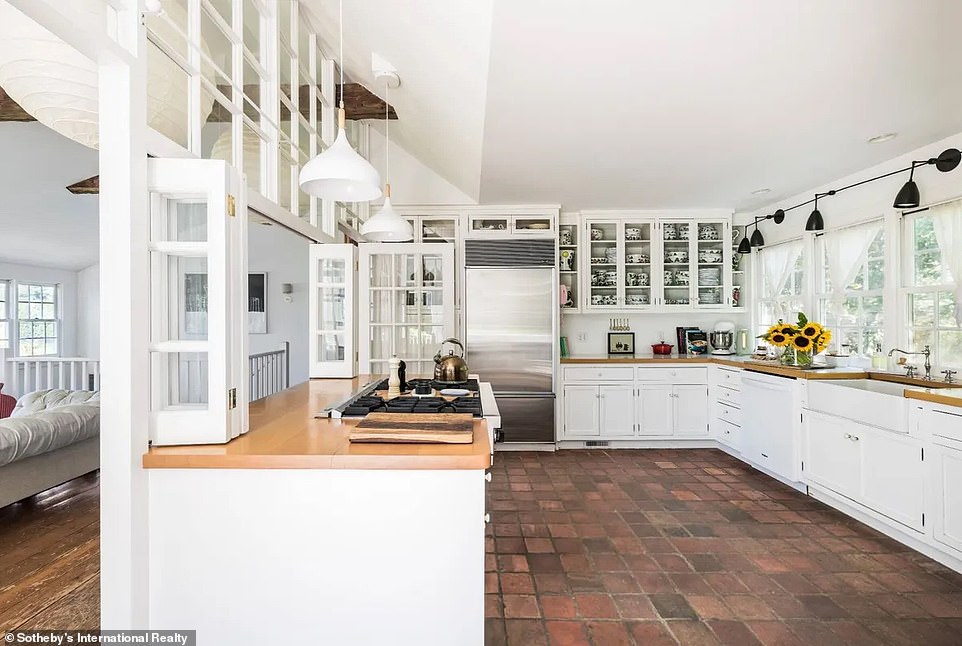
387, 225
907, 198
881, 139
815, 220
757, 239
340, 173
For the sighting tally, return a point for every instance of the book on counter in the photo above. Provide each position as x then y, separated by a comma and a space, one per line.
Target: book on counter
696, 342
681, 337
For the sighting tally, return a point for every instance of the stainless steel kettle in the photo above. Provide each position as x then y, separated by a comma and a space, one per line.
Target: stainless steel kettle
450, 368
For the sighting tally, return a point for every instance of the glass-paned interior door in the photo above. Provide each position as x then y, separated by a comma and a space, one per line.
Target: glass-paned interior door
333, 332
197, 302
407, 304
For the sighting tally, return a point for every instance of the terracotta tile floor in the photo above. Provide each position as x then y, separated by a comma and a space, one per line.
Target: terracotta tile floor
655, 547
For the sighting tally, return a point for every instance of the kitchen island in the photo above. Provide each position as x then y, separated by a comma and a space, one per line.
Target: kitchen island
292, 534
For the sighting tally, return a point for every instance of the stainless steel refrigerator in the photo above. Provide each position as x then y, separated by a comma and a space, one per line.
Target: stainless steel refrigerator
511, 321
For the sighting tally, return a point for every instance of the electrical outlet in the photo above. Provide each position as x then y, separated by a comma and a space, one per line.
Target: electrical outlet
582, 336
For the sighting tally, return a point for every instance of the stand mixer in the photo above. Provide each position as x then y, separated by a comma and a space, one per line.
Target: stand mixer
722, 338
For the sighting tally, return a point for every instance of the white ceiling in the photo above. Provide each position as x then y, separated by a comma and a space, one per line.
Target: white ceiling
643, 104
440, 49
41, 223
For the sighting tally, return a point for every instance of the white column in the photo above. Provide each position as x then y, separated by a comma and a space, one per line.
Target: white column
124, 320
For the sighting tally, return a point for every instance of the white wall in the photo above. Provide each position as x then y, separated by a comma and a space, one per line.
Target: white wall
68, 304
88, 312
869, 201
648, 329
283, 255
412, 182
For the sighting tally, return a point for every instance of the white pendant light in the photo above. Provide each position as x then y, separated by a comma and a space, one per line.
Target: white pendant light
386, 225
340, 173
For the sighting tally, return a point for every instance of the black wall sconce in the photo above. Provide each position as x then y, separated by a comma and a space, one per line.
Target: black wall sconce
908, 197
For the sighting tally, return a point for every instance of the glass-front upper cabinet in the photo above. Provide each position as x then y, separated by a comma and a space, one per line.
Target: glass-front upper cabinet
333, 287
406, 293
619, 263
711, 264
568, 259
197, 302
539, 223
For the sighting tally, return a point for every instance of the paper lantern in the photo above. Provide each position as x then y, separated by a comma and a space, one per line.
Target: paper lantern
57, 85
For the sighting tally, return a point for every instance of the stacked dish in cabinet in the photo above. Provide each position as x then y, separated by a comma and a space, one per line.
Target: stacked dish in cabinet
724, 391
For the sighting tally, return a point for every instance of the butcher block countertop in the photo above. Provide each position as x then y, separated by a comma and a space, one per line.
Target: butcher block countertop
948, 397
768, 367
285, 435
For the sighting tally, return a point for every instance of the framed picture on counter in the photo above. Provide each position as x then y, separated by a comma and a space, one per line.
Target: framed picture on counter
621, 343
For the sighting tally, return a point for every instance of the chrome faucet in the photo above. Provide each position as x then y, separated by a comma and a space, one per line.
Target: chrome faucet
925, 353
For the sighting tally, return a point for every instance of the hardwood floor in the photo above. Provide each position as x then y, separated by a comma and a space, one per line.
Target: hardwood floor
50, 559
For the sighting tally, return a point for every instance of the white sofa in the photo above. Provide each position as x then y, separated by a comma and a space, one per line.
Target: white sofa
51, 437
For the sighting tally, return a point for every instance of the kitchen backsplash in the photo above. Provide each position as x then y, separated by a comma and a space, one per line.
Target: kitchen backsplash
648, 329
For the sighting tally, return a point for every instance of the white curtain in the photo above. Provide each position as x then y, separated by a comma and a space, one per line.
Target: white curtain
845, 252
778, 262
947, 221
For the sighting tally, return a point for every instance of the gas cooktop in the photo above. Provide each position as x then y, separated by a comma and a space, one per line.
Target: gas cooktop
361, 406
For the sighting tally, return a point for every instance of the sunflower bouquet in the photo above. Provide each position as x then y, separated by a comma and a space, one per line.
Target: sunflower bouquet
802, 341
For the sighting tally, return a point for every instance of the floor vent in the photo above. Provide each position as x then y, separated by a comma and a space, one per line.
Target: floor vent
595, 443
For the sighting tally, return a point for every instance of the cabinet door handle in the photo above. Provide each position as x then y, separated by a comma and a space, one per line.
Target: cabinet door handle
854, 438
848, 436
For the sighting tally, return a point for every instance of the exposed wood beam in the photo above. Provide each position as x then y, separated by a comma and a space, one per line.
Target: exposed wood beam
10, 110
359, 102
89, 186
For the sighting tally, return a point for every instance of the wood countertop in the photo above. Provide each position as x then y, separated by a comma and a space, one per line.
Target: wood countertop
768, 367
285, 435
948, 397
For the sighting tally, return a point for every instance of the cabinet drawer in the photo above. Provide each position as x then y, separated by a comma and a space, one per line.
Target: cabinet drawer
600, 373
673, 375
728, 396
727, 378
726, 433
945, 424
727, 413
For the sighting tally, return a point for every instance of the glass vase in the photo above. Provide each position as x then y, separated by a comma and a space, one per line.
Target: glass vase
797, 358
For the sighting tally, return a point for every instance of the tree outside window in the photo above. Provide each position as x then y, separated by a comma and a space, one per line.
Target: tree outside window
930, 298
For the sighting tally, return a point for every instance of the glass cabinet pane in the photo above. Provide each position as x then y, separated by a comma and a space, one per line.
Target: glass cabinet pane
440, 230
709, 262
489, 224
330, 347
331, 315
532, 223
637, 238
603, 263
186, 376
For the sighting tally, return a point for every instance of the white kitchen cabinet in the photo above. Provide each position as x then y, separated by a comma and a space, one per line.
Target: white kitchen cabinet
893, 477
197, 302
879, 469
655, 404
727, 433
945, 474
581, 410
541, 223
406, 291
689, 410
606, 410
617, 409
332, 289
831, 456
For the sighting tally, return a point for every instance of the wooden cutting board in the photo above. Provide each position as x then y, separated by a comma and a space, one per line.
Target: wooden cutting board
415, 428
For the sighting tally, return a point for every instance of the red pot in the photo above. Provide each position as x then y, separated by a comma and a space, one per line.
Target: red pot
662, 348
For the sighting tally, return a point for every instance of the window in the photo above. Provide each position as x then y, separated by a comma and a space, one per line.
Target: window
781, 284
854, 313
37, 324
4, 314
930, 295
